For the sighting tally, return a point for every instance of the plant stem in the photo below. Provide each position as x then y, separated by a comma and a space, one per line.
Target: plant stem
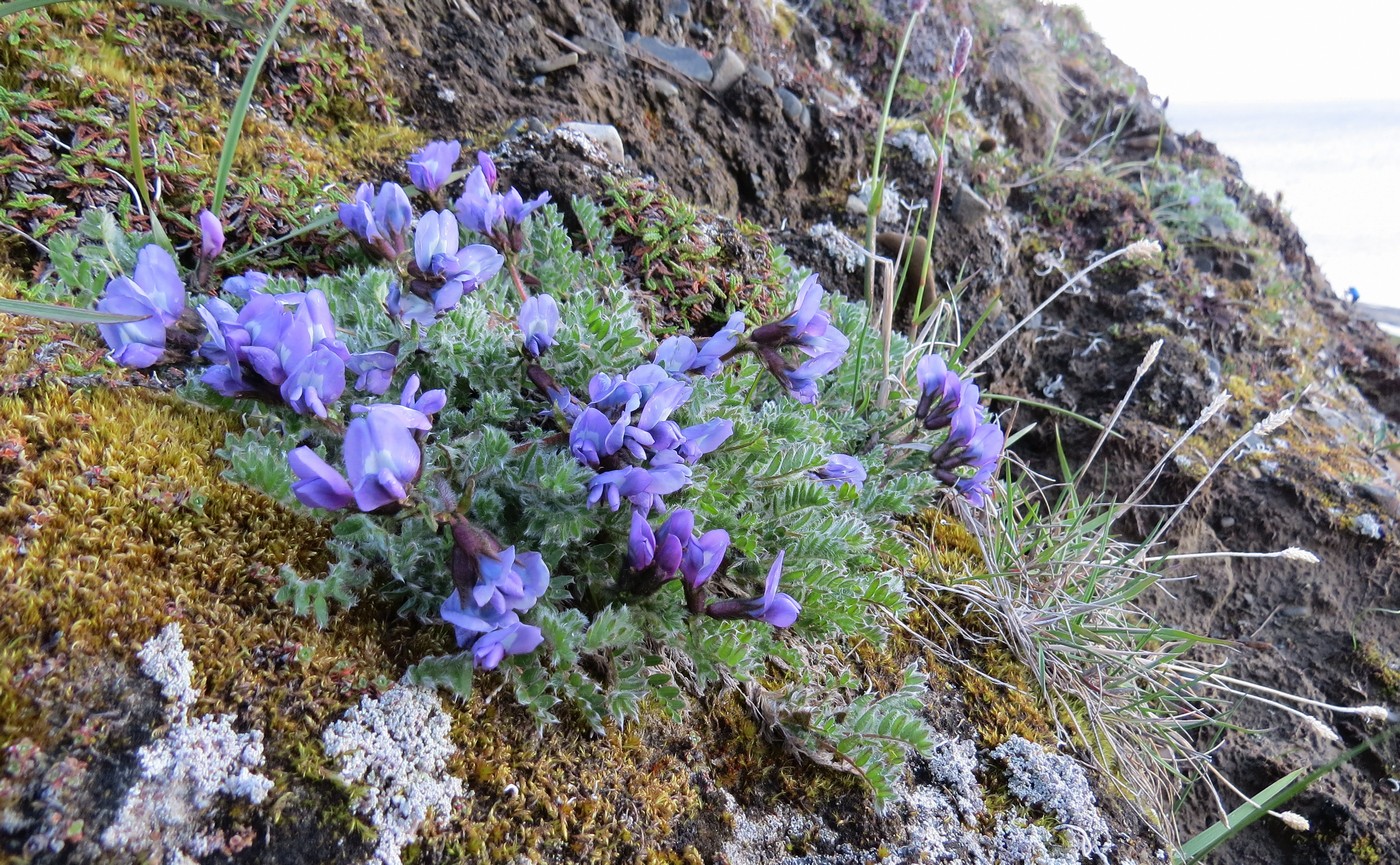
877, 187
515, 277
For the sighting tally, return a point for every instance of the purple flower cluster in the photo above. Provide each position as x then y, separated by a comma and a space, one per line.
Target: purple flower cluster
810, 329
276, 345
967, 458
431, 167
380, 222
153, 291
383, 455
680, 354
657, 557
493, 586
495, 215
675, 550
442, 270
605, 433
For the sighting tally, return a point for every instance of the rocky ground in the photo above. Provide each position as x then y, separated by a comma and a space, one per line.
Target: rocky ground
762, 115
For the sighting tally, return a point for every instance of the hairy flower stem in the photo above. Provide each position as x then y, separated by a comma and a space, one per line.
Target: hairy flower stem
877, 187
515, 276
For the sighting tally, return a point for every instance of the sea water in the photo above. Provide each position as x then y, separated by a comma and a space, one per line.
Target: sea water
1338, 167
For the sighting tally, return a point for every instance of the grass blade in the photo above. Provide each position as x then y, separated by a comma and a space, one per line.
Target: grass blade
325, 219
1274, 796
240, 108
54, 312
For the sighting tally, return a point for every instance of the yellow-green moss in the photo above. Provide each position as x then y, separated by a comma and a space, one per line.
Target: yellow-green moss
321, 106
1365, 851
120, 522
1383, 666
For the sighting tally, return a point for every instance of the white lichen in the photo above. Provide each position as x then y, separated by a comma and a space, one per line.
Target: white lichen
396, 747
1057, 785
165, 660
846, 252
953, 764
919, 145
1368, 526
166, 815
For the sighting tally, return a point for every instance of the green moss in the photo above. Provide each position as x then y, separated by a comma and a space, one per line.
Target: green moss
695, 269
321, 104
1383, 667
1366, 851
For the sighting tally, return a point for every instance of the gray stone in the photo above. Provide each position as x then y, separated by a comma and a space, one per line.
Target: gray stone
600, 33
663, 87
554, 64
685, 60
792, 105
727, 68
601, 134
526, 124
967, 206
761, 76
678, 9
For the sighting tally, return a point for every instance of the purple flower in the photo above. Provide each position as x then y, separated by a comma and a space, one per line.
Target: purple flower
155, 291
807, 326
676, 355
375, 370
492, 637
430, 403
318, 378
710, 356
380, 222
653, 430
802, 382
318, 485
508, 581
516, 208
492, 586
942, 391
158, 280
656, 556
539, 319
382, 454
641, 542
244, 286
776, 608
967, 459
442, 271
276, 345
841, 469
643, 487
606, 392
594, 438
136, 344
700, 439
703, 556
211, 235
490, 213
510, 638
430, 167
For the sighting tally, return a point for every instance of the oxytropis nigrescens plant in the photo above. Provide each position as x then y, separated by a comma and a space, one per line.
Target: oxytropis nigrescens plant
599, 517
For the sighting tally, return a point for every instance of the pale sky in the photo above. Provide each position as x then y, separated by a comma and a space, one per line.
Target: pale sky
1212, 51
1294, 91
